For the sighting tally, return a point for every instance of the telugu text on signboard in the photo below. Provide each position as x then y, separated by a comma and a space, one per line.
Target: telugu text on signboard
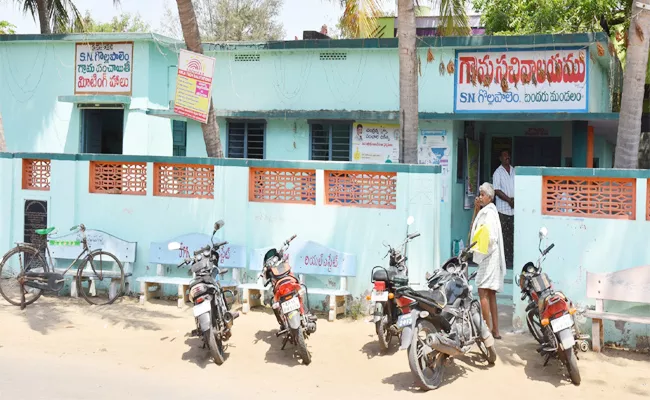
194, 85
104, 68
375, 143
524, 80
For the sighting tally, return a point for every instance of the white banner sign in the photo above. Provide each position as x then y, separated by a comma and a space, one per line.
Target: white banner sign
375, 143
524, 80
103, 68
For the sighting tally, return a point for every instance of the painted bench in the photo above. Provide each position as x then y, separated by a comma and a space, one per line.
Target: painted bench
629, 285
232, 257
307, 258
68, 247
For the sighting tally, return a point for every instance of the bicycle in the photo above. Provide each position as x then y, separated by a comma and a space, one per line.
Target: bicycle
33, 279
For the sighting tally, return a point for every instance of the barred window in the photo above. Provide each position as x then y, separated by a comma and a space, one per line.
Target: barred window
330, 141
246, 139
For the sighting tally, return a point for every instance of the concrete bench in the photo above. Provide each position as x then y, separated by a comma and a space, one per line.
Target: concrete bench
307, 259
68, 247
629, 285
232, 257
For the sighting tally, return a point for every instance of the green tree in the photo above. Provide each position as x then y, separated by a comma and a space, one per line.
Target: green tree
231, 20
7, 28
360, 18
125, 22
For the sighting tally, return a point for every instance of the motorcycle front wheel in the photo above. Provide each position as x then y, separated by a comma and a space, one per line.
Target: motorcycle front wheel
215, 346
428, 369
535, 326
302, 346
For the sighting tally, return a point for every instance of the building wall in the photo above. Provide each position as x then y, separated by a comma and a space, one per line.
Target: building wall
149, 218
582, 244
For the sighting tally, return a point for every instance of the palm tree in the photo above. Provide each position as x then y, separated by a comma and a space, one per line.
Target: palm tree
53, 13
629, 122
192, 38
359, 16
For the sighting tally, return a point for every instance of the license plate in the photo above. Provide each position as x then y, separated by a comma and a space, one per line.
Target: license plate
379, 296
290, 305
201, 308
563, 322
404, 320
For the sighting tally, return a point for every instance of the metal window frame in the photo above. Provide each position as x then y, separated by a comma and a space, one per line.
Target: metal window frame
329, 123
184, 136
246, 122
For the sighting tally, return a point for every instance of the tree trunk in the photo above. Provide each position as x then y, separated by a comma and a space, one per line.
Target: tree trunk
408, 82
41, 6
192, 37
629, 122
3, 143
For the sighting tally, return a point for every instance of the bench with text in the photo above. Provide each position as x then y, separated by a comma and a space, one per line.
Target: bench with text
629, 285
68, 247
230, 257
307, 258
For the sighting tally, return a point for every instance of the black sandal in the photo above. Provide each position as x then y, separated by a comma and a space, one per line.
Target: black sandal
498, 337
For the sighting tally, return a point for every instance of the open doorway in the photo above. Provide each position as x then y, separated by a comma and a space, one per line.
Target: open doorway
103, 131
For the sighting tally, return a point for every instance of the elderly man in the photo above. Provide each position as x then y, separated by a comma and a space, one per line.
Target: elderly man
504, 188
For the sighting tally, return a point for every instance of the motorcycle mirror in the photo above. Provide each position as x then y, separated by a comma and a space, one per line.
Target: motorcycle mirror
219, 224
173, 246
410, 220
543, 232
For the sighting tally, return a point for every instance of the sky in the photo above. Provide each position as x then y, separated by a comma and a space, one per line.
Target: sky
296, 15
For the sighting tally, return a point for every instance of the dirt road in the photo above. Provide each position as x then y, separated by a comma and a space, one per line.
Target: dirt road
125, 349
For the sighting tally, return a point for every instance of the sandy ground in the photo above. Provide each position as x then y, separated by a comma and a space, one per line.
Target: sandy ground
72, 350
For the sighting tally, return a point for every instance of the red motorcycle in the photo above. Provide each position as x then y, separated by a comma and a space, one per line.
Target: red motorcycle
296, 321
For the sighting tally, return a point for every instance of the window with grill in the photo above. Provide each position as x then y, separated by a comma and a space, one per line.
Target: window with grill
179, 135
246, 139
330, 141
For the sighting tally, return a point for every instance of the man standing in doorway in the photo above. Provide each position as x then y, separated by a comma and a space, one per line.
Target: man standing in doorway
504, 188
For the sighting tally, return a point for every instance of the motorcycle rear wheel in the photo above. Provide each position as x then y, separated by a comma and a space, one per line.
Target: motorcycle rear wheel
488, 353
383, 333
571, 362
299, 336
215, 346
419, 364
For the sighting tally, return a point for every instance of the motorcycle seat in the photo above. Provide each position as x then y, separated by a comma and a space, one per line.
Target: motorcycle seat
381, 275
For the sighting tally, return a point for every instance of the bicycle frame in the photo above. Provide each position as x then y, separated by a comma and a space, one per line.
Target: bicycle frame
84, 251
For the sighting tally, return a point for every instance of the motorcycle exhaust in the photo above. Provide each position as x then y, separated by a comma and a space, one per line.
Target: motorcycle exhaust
311, 327
229, 317
445, 345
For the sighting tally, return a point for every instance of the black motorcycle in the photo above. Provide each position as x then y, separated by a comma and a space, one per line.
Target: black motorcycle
211, 309
445, 321
385, 283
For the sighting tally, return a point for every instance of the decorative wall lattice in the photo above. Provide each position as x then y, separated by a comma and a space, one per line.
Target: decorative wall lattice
184, 180
361, 189
36, 174
613, 198
282, 185
118, 177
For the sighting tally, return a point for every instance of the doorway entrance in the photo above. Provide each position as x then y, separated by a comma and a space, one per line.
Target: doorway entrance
103, 131
537, 152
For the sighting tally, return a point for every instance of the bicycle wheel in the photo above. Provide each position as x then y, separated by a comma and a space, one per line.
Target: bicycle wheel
101, 278
14, 264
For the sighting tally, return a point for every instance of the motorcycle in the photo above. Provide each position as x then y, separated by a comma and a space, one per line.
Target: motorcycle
444, 321
296, 322
550, 315
385, 282
212, 314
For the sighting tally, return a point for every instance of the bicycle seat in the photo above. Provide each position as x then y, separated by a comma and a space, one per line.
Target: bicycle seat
45, 232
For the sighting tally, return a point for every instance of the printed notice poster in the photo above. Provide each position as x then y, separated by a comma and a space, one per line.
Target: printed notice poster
433, 149
375, 143
194, 85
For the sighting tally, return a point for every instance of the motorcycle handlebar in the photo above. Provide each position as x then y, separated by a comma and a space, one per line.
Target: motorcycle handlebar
548, 249
413, 235
290, 239
225, 242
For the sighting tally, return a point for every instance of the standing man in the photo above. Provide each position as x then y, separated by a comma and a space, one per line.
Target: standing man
504, 188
